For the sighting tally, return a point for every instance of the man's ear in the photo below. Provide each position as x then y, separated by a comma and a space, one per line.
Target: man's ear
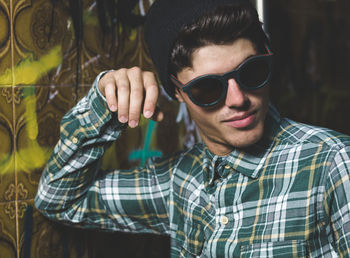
178, 95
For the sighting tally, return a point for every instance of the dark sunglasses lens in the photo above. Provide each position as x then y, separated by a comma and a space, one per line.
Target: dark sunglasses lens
207, 90
254, 73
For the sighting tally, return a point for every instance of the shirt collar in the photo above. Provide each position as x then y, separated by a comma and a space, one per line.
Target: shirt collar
249, 161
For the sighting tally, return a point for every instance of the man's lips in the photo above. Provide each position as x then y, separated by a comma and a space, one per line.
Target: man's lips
241, 120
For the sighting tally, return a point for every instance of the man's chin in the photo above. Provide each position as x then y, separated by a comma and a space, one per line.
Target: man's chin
244, 139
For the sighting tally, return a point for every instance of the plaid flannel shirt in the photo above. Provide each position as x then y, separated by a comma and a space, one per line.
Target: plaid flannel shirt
286, 196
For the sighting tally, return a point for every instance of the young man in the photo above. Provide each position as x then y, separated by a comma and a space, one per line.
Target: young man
258, 185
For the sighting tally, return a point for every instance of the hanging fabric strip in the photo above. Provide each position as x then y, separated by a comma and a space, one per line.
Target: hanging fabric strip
28, 230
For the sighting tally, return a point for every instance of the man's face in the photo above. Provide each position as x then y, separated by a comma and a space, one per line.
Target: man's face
238, 121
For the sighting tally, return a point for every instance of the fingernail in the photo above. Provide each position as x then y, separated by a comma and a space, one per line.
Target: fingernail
123, 119
148, 114
113, 108
133, 123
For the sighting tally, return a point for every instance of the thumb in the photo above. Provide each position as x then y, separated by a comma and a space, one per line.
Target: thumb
158, 115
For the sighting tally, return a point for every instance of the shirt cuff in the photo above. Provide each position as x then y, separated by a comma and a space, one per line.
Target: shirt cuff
98, 78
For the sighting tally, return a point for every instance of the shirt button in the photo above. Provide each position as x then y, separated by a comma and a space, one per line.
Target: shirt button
224, 220
75, 140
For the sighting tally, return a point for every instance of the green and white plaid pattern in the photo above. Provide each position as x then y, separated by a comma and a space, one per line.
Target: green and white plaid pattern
286, 196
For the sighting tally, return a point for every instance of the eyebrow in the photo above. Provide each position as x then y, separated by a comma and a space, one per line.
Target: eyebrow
236, 67
244, 61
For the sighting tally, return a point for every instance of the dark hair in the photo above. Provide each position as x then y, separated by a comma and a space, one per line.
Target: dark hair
223, 25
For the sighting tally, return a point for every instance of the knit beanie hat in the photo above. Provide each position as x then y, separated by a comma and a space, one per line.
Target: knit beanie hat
164, 20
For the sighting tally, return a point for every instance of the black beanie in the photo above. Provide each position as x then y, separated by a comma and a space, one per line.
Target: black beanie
164, 20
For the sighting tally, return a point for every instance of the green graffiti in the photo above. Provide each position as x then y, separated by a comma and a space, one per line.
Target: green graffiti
146, 153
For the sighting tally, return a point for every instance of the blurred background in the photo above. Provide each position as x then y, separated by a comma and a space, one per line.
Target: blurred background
50, 53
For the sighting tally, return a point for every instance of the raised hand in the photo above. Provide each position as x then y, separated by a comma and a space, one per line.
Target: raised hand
131, 92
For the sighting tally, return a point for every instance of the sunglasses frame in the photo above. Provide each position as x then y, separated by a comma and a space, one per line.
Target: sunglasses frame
224, 79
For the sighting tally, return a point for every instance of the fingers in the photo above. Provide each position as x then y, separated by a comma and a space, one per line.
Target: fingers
152, 92
131, 92
135, 76
123, 93
150, 109
111, 97
107, 87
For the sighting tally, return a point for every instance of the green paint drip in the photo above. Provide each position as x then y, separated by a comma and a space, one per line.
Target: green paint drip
146, 153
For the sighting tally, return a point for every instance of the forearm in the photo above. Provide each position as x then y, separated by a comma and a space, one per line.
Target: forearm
74, 190
86, 131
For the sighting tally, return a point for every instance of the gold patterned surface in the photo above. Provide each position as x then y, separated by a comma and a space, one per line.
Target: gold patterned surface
7, 160
8, 230
5, 44
38, 115
43, 31
101, 52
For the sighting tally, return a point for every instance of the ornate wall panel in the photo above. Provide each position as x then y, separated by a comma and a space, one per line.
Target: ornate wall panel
8, 230
5, 44
98, 49
38, 115
7, 158
44, 43
119, 46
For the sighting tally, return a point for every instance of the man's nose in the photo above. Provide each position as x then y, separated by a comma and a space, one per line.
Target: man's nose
235, 97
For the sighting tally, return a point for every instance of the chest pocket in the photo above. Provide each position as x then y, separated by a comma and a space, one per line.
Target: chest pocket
282, 249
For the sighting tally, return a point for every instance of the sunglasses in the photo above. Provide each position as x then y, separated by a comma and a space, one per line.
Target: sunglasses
209, 90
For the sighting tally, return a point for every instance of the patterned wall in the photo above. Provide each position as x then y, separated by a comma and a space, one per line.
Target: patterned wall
48, 62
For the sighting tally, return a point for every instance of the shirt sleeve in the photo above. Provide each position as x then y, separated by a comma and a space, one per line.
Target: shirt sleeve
337, 202
74, 190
